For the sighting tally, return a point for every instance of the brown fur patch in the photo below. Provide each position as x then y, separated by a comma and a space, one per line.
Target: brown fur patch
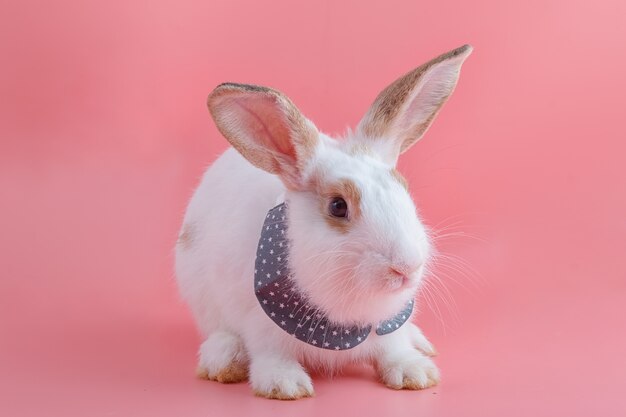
347, 190
398, 177
235, 372
412, 384
202, 373
275, 394
187, 236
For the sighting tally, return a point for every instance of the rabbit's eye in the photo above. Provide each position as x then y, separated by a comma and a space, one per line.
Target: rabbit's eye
338, 207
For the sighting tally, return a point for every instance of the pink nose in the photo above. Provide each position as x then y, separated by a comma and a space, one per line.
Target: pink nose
404, 270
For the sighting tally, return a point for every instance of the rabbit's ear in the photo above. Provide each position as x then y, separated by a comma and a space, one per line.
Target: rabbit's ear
266, 128
404, 110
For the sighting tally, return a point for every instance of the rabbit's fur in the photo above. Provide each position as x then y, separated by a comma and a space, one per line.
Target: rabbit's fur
359, 269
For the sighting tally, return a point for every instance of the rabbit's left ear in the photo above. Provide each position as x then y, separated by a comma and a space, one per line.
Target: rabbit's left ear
404, 110
266, 128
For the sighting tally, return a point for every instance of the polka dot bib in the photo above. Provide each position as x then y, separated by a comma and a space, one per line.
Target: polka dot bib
290, 309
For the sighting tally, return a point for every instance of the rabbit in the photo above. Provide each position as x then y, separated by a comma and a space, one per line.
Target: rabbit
357, 248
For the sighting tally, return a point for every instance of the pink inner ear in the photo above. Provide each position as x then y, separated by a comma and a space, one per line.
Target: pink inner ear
430, 94
265, 121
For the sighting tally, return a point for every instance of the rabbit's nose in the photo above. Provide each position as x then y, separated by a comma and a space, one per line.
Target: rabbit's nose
405, 270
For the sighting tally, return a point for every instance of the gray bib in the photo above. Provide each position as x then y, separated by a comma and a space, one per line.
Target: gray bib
291, 310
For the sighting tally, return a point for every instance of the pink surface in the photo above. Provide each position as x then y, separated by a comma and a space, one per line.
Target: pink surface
104, 133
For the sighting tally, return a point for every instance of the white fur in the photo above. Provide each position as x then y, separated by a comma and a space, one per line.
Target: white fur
390, 233
218, 351
215, 273
346, 274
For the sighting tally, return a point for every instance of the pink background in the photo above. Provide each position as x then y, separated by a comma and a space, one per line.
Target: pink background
104, 134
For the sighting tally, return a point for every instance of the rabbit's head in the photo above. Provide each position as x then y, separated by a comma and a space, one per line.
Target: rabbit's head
357, 246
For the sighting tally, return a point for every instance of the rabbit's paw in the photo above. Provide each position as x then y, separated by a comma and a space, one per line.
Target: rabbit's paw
408, 370
280, 379
222, 358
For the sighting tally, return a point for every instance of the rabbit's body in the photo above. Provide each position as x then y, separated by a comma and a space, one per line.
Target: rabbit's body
215, 264
357, 249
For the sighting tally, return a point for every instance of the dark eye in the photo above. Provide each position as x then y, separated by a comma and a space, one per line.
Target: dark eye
338, 207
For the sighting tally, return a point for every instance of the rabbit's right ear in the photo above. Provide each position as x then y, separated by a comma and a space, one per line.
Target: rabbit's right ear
404, 110
266, 128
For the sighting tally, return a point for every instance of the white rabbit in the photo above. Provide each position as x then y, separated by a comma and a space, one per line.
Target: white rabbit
357, 249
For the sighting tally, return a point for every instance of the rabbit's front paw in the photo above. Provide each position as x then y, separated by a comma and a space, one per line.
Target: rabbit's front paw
408, 370
280, 379
222, 358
